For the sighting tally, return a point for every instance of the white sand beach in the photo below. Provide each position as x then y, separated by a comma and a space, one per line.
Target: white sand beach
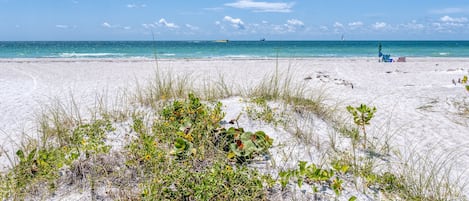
416, 100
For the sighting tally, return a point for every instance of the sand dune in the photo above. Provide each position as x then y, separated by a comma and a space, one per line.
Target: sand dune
415, 100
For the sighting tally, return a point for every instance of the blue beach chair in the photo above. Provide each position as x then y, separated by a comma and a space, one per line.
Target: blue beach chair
383, 57
386, 58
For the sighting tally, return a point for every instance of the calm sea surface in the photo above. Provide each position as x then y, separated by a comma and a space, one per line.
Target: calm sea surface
231, 49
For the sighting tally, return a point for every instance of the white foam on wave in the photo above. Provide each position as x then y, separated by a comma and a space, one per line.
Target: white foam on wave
443, 53
169, 54
324, 55
78, 55
238, 56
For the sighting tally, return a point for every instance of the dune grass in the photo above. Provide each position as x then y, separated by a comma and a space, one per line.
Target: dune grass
172, 146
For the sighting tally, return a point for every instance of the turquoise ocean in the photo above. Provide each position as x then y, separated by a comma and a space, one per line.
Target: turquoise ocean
230, 49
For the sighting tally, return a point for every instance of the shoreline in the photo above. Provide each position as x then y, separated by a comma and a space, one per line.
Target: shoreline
116, 60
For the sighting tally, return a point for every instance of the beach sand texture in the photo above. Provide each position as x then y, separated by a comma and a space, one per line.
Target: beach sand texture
415, 100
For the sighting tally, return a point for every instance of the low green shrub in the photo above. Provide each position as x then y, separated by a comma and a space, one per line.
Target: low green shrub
315, 176
218, 181
38, 166
242, 145
187, 155
362, 116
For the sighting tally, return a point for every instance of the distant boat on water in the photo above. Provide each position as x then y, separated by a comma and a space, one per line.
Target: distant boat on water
262, 39
222, 41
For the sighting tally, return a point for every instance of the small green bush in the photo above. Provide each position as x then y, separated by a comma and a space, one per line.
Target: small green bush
362, 116
315, 176
219, 181
187, 155
39, 167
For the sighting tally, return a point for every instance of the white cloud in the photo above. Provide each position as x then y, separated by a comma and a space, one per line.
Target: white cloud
291, 26
117, 26
380, 25
444, 27
264, 22
261, 6
237, 23
281, 28
170, 25
61, 26
414, 25
192, 27
450, 19
136, 6
355, 24
107, 25
324, 28
295, 22
338, 25
148, 26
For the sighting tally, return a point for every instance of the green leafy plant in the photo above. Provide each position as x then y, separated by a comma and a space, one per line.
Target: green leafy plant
145, 150
314, 176
284, 178
218, 181
184, 155
337, 185
40, 165
340, 166
190, 120
244, 145
361, 117
89, 139
183, 148
37, 166
353, 198
464, 81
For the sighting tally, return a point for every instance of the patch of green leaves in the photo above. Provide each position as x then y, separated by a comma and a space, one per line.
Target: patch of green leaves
39, 166
89, 139
242, 145
218, 181
464, 81
183, 156
191, 121
362, 116
314, 176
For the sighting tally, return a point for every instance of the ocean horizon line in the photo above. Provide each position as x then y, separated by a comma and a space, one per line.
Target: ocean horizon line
247, 40
226, 49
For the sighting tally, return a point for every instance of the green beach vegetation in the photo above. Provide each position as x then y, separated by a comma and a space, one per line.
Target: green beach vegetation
169, 140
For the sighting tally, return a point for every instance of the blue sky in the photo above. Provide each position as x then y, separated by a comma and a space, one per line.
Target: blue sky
234, 19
